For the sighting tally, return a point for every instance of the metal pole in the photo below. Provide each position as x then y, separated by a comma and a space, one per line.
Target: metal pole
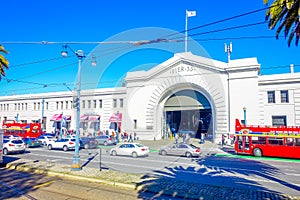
61, 125
186, 33
76, 159
245, 110
100, 152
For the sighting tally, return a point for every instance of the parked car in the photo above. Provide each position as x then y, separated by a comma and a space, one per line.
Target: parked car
88, 143
32, 142
64, 144
181, 149
13, 146
130, 149
105, 140
44, 139
49, 134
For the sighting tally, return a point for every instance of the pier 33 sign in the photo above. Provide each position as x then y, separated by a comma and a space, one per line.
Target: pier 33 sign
183, 69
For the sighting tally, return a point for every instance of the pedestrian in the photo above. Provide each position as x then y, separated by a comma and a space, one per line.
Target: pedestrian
176, 138
130, 138
223, 139
134, 136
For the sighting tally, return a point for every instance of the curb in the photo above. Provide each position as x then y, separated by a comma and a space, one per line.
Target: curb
65, 175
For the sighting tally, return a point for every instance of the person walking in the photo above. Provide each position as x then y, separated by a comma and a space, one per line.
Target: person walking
176, 138
130, 138
223, 139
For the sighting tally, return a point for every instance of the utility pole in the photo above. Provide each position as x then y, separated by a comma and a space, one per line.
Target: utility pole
228, 50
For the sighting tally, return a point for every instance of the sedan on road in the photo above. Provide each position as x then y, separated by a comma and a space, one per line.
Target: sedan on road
45, 139
181, 149
130, 149
64, 144
88, 143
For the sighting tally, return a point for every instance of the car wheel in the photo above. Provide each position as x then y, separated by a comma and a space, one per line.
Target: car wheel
86, 146
188, 154
163, 153
49, 146
65, 148
134, 154
257, 152
105, 143
5, 151
114, 153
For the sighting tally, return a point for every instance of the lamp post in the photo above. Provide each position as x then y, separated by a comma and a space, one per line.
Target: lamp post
80, 55
245, 112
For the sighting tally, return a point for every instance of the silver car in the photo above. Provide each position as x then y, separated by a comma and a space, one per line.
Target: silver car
105, 140
181, 149
130, 149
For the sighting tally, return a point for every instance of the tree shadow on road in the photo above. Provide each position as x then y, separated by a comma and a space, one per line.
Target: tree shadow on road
215, 178
17, 184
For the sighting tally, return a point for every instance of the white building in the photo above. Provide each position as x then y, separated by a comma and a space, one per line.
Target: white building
184, 92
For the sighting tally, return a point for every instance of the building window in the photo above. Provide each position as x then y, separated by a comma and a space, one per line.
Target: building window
15, 106
34, 106
57, 105
39, 106
25, 106
61, 105
284, 94
89, 103
47, 105
100, 103
22, 106
271, 96
7, 106
95, 104
115, 103
279, 121
83, 103
121, 103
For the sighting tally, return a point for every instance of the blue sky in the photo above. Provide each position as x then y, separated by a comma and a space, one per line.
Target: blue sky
36, 67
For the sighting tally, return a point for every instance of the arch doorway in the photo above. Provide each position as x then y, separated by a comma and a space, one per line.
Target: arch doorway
189, 110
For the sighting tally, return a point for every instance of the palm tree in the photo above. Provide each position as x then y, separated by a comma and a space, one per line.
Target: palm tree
286, 14
3, 61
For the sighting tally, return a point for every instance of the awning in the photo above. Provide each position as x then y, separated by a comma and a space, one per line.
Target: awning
117, 117
84, 118
67, 118
56, 117
94, 118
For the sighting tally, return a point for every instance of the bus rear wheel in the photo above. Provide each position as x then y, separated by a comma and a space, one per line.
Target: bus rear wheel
257, 152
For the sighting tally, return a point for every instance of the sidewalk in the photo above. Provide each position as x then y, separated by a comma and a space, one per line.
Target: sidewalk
149, 183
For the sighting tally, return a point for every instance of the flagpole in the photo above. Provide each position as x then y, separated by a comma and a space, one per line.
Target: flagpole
186, 27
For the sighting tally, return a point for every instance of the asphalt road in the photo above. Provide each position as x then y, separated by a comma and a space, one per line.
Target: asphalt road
274, 175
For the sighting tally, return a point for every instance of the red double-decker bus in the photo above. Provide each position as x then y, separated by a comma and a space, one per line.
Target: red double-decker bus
275, 141
11, 127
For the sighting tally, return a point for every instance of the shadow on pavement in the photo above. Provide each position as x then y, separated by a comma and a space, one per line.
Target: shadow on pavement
215, 178
17, 184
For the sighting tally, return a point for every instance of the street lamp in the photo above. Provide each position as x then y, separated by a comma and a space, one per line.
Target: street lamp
245, 110
80, 55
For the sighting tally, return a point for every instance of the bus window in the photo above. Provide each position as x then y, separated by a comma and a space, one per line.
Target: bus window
259, 140
240, 139
247, 145
290, 141
275, 141
297, 142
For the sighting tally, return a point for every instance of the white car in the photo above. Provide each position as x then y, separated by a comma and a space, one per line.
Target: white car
130, 149
13, 146
64, 144
45, 139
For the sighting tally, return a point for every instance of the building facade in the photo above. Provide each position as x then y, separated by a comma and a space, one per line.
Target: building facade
186, 92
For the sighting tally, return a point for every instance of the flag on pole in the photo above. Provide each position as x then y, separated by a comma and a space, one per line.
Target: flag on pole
191, 13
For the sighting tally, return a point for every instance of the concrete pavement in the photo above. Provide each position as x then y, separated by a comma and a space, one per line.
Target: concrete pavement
151, 182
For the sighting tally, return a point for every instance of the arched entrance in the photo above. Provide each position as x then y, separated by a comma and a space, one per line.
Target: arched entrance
189, 111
